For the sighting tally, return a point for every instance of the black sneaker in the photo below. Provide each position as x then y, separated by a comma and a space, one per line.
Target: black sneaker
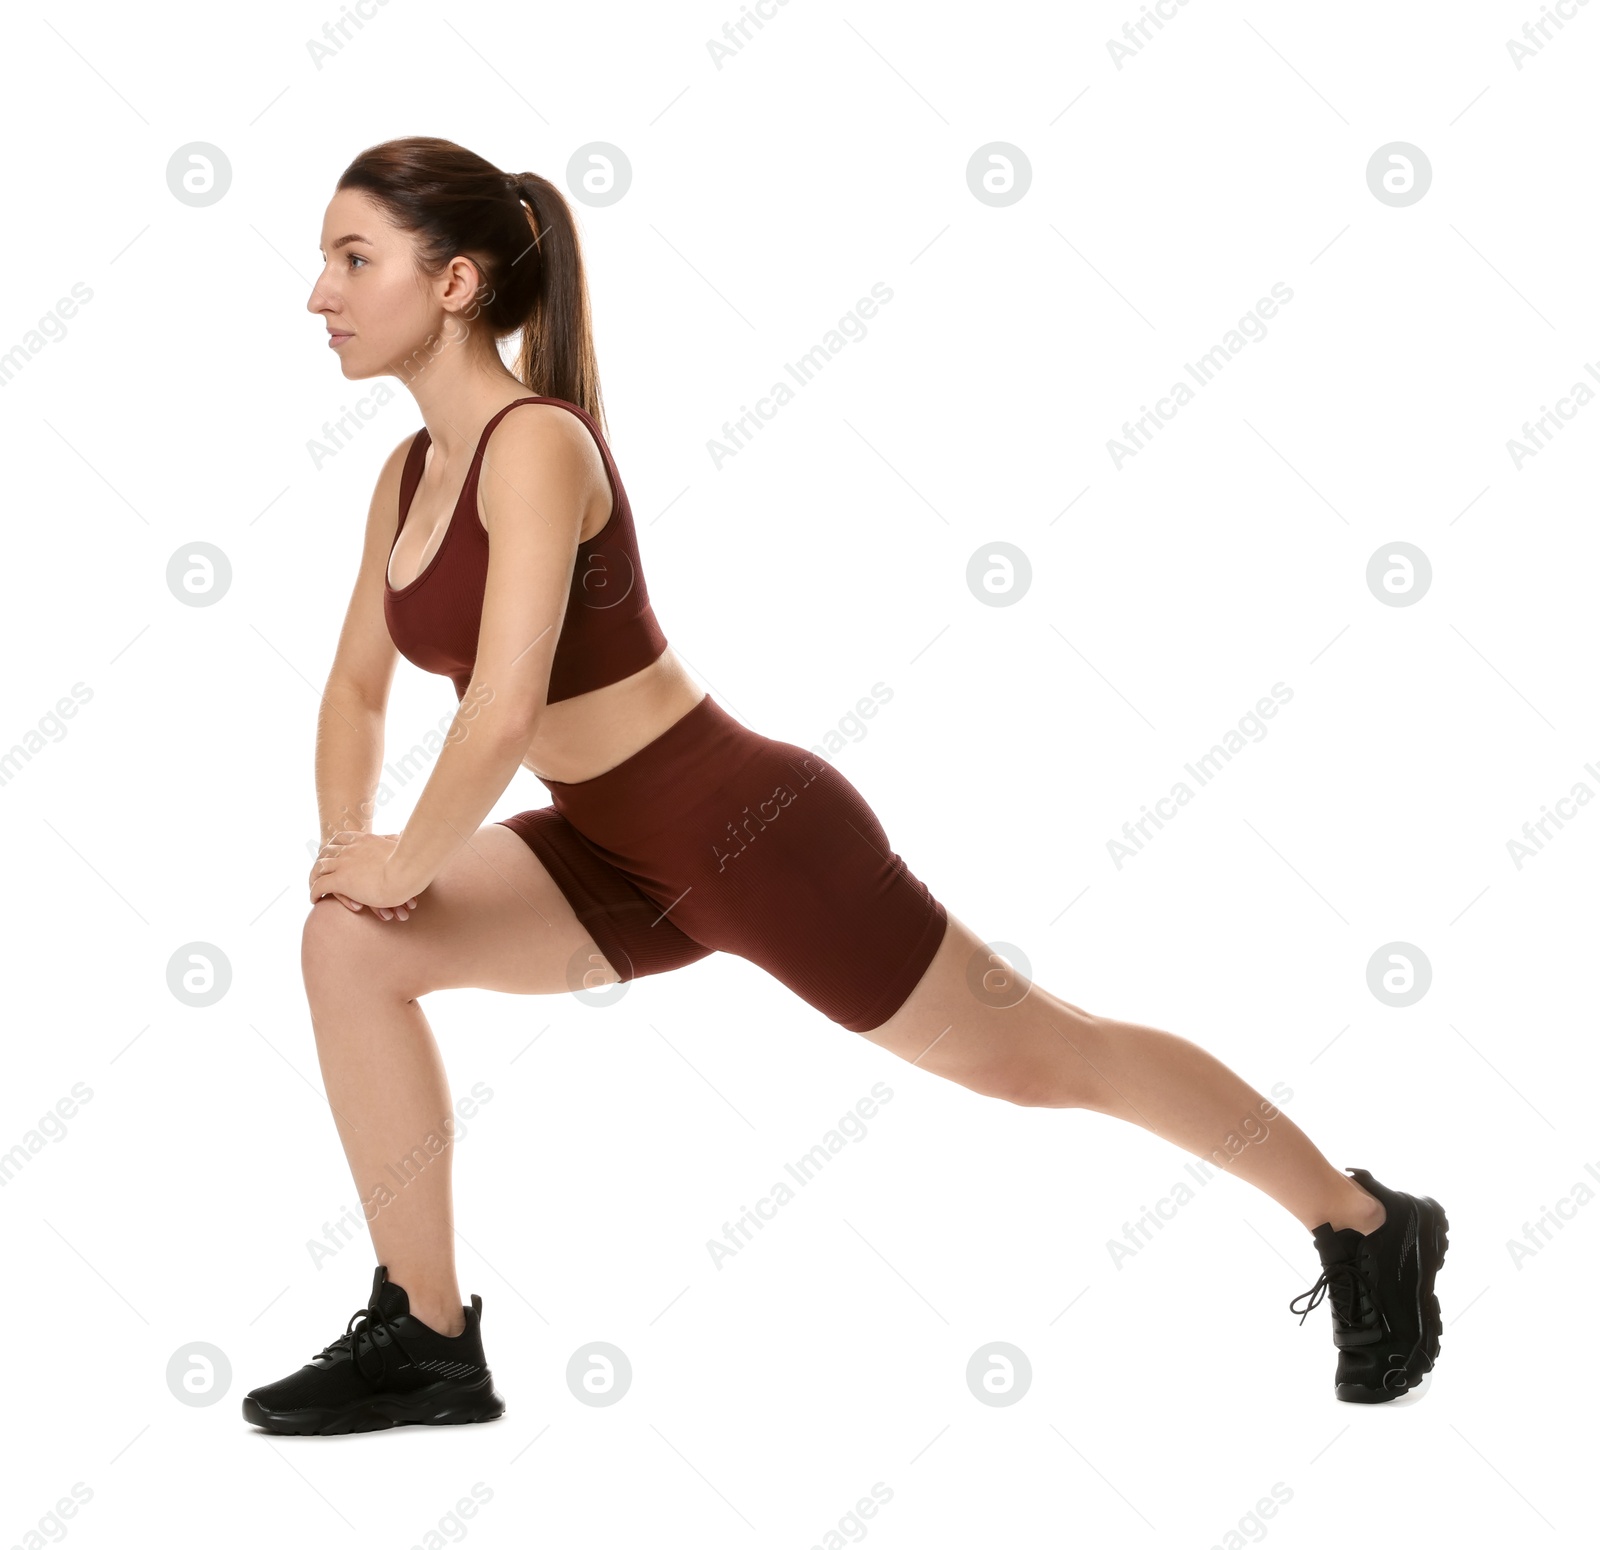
1386, 1320
387, 1369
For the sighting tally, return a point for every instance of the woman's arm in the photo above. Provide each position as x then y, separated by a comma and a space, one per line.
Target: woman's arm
538, 478
349, 751
349, 760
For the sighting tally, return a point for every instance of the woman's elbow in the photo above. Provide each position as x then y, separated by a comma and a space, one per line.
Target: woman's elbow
502, 717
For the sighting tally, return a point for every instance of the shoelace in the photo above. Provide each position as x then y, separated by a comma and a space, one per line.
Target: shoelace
371, 1319
1346, 1307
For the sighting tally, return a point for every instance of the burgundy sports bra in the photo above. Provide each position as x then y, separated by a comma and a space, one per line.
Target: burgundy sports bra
610, 630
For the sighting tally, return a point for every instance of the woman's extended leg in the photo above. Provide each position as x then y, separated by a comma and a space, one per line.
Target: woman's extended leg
974, 1019
493, 918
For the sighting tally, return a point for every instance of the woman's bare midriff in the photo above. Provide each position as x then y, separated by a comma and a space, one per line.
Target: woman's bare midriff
592, 733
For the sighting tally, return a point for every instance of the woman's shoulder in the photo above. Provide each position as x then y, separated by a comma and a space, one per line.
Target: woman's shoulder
547, 439
560, 411
551, 423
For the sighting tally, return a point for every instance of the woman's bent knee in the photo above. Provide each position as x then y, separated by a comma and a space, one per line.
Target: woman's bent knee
339, 945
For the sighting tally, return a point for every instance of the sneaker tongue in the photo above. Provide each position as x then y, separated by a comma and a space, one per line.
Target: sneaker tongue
1336, 1247
387, 1297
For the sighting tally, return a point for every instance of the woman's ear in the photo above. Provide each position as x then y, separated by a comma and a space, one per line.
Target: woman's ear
458, 284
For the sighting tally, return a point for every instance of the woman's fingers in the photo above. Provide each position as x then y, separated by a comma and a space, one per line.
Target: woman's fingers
395, 911
349, 904
387, 912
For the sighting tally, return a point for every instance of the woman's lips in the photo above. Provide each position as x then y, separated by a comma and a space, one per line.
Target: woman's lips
337, 339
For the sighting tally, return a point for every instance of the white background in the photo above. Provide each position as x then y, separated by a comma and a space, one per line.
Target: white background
1167, 597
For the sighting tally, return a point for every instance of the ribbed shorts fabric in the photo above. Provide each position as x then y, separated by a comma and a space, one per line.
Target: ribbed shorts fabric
713, 838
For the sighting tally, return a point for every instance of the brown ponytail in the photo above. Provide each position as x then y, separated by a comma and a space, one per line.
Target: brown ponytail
457, 204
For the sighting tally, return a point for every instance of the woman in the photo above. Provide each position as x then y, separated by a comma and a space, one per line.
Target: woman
500, 550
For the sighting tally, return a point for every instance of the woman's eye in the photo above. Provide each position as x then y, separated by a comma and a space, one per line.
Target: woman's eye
356, 258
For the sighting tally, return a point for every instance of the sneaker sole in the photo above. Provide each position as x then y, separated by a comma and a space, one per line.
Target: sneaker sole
1433, 1238
440, 1404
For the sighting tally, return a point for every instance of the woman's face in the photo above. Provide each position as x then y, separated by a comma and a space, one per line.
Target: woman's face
379, 308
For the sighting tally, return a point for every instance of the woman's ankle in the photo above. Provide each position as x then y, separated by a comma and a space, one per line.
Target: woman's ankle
1360, 1210
431, 1303
442, 1320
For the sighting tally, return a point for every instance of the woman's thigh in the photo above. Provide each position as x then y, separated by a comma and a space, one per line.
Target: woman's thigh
493, 919
976, 1019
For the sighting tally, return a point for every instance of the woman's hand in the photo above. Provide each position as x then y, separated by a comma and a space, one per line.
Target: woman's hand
359, 864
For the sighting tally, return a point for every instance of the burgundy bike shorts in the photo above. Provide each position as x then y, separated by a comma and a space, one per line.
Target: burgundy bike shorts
713, 838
